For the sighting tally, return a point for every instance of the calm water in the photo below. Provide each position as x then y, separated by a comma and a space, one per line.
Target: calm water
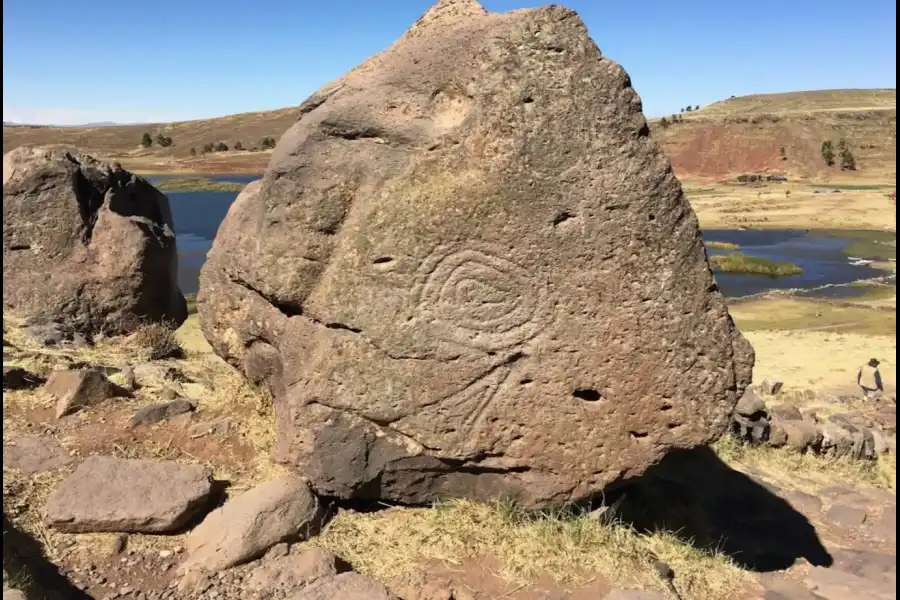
197, 217
822, 258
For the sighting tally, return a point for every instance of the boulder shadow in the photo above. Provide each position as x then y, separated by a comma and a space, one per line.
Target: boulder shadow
711, 506
24, 564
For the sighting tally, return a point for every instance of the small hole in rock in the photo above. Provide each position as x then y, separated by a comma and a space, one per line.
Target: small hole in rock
587, 394
527, 100
562, 217
638, 434
525, 381
651, 217
382, 260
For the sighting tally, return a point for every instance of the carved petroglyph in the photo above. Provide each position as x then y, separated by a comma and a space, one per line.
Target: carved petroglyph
471, 296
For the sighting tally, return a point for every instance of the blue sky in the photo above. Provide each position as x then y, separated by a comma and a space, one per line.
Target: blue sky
137, 60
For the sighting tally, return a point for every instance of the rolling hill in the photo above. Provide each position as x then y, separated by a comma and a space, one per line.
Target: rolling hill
738, 135
746, 134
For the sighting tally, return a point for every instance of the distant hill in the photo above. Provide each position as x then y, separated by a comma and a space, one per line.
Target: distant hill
738, 135
746, 134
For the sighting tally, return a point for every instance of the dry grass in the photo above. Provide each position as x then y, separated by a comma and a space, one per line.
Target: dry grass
808, 472
797, 315
806, 101
725, 206
198, 184
821, 360
157, 341
567, 547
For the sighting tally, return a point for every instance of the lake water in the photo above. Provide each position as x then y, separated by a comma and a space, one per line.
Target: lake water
197, 217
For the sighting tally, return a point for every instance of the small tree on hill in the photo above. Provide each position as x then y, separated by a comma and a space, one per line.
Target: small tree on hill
221, 147
664, 122
689, 109
207, 148
163, 141
193, 152
828, 153
783, 153
238, 145
697, 107
146, 140
848, 161
267, 143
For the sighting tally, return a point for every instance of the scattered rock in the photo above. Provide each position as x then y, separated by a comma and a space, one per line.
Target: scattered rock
75, 390
436, 323
126, 495
801, 435
130, 378
154, 374
750, 404
292, 571
248, 525
17, 378
34, 454
86, 243
155, 413
346, 586
845, 516
48, 334
117, 545
770, 387
786, 412
217, 427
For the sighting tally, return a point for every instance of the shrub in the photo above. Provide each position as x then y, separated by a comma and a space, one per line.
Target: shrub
193, 152
783, 153
158, 341
221, 147
663, 122
207, 148
848, 162
828, 152
267, 143
238, 145
146, 140
689, 109
163, 141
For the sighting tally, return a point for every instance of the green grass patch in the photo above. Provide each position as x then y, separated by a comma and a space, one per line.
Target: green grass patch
721, 245
198, 184
796, 314
871, 250
738, 262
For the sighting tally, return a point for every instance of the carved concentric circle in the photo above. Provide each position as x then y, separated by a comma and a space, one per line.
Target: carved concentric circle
474, 297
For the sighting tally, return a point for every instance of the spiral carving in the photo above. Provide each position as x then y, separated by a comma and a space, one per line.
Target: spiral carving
473, 297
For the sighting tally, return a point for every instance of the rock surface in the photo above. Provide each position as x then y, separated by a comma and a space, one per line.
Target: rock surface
248, 525
34, 454
346, 586
77, 389
17, 378
86, 244
125, 495
469, 271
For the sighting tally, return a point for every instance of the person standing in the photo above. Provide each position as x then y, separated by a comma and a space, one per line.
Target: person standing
869, 379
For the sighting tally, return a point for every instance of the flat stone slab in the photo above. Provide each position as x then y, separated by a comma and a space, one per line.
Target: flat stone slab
833, 584
846, 516
34, 454
246, 526
127, 495
346, 586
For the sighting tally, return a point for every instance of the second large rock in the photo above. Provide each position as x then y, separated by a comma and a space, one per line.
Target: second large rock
469, 271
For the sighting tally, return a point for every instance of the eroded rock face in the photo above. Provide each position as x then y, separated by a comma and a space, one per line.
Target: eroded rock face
86, 244
469, 271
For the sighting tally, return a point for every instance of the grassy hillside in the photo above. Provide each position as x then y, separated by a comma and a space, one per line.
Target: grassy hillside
738, 135
746, 135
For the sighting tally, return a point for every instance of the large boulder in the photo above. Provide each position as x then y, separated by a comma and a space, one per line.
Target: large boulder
86, 244
469, 271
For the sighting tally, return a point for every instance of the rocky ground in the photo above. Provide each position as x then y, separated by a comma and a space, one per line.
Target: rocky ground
754, 520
